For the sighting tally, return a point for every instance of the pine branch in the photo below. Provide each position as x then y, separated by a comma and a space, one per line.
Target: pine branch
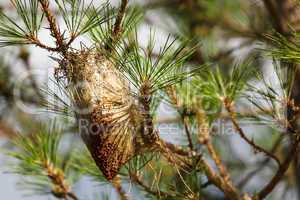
263, 164
34, 40
230, 109
205, 139
188, 132
171, 91
117, 27
54, 29
12, 33
81, 17
280, 172
116, 182
147, 128
157, 193
166, 70
61, 188
38, 159
228, 190
103, 34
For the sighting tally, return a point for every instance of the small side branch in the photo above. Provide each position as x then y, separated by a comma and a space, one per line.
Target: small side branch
117, 26
205, 139
116, 182
230, 110
157, 193
34, 40
263, 164
213, 178
57, 178
188, 133
214, 155
54, 29
280, 172
171, 91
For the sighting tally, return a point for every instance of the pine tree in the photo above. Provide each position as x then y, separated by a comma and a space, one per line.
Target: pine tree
112, 87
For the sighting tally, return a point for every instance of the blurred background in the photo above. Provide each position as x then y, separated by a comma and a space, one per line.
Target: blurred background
228, 31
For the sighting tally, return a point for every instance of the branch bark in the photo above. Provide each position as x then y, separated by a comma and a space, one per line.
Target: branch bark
230, 109
280, 172
120, 16
116, 182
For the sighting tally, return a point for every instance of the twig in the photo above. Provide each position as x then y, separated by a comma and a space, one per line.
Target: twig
158, 193
179, 150
116, 182
187, 131
228, 190
263, 164
222, 115
280, 172
117, 26
54, 29
57, 177
171, 91
34, 40
147, 129
229, 107
205, 138
223, 171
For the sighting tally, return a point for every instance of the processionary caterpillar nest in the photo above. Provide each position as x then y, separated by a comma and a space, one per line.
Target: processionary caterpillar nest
102, 97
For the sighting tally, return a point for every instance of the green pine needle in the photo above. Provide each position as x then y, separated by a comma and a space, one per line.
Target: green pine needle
81, 17
36, 155
14, 33
83, 164
102, 34
166, 69
36, 149
283, 48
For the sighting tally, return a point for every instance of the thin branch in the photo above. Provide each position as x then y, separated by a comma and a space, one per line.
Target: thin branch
34, 40
205, 138
116, 182
263, 164
228, 190
117, 26
158, 193
214, 155
280, 172
223, 115
57, 177
187, 131
171, 91
179, 150
72, 196
229, 107
54, 29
